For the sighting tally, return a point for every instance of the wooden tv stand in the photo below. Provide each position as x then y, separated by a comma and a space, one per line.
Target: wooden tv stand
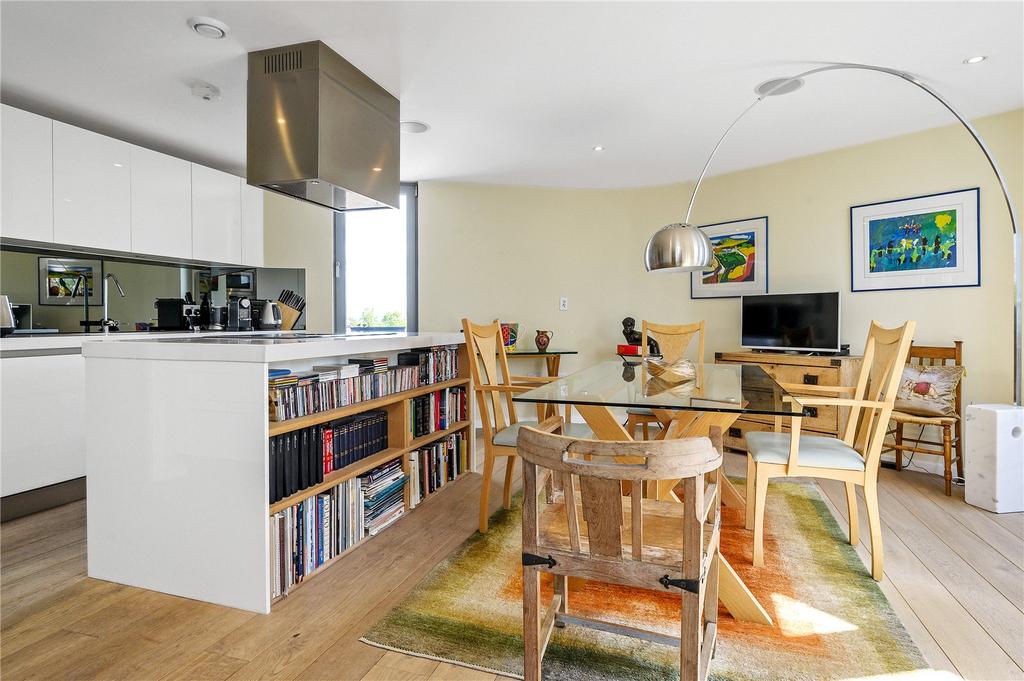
793, 368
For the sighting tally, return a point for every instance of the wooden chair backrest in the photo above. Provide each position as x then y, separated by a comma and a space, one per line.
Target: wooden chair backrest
598, 469
940, 355
885, 354
673, 339
488, 365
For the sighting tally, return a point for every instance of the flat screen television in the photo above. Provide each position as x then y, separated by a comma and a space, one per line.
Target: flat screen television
805, 322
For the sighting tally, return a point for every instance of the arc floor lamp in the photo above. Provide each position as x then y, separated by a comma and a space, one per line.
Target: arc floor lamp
681, 247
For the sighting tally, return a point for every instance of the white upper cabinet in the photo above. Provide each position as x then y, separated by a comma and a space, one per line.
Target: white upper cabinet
216, 216
91, 189
161, 204
27, 175
252, 225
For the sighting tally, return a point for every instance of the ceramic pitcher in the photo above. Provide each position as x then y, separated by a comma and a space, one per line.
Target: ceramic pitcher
543, 339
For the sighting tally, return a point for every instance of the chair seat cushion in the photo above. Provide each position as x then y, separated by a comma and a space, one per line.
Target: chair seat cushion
507, 437
640, 411
903, 417
815, 451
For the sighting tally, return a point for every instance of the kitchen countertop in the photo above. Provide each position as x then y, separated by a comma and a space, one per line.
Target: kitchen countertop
22, 344
259, 347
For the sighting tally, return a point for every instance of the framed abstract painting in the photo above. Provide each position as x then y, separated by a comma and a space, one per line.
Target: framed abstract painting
928, 241
740, 266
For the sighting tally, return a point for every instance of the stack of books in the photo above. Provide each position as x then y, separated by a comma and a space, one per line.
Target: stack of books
434, 465
305, 536
437, 411
301, 458
433, 365
370, 365
383, 491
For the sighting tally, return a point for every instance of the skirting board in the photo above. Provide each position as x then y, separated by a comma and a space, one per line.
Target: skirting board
34, 500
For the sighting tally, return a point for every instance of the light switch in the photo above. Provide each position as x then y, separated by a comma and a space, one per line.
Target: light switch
563, 304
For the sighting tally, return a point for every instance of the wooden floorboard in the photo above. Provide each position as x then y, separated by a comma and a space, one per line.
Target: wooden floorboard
954, 577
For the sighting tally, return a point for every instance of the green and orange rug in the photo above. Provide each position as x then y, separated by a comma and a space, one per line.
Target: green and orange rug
830, 618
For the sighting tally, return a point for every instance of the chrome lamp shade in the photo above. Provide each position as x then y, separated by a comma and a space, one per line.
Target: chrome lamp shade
679, 247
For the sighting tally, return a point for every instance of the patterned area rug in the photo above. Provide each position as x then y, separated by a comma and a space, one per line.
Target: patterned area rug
830, 618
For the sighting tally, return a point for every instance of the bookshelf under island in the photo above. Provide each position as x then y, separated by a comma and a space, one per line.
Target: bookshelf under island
193, 490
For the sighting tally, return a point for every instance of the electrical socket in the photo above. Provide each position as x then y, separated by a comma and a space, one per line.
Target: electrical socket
563, 304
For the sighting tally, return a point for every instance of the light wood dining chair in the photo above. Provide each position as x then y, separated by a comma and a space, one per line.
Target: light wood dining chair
854, 459
673, 340
494, 387
588, 529
951, 447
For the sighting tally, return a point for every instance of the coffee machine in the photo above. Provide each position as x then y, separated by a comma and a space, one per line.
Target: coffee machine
239, 313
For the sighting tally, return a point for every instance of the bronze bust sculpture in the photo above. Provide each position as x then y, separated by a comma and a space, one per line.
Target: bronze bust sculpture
634, 337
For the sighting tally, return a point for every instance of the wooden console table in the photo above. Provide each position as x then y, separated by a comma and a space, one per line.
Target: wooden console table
792, 368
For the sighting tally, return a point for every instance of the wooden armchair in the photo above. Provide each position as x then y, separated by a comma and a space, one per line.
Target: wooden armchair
673, 339
854, 459
590, 530
494, 387
951, 447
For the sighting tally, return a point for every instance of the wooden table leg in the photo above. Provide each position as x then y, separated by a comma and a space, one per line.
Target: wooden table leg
735, 595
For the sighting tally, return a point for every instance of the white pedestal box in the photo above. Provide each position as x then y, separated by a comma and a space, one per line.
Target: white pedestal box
994, 461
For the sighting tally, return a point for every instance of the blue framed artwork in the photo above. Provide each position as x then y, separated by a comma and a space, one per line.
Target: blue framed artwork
931, 241
740, 267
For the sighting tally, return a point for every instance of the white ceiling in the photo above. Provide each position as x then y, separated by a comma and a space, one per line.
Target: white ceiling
520, 92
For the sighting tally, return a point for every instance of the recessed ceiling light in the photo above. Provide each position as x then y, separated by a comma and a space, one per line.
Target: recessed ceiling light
778, 86
598, 148
119, 165
414, 127
975, 60
208, 27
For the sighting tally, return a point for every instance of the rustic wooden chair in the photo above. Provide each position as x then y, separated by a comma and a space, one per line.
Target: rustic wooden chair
488, 365
948, 425
586, 528
854, 459
673, 339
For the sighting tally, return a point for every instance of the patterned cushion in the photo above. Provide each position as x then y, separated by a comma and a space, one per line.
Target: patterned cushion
508, 436
815, 451
928, 390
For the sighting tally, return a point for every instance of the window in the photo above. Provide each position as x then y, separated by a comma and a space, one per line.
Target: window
375, 268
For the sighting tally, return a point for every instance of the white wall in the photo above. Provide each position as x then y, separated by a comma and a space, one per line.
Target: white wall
300, 234
491, 251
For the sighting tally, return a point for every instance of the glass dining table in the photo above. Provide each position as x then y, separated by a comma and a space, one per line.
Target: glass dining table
706, 405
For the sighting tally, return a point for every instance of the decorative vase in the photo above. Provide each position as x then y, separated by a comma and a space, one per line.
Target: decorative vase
543, 339
510, 335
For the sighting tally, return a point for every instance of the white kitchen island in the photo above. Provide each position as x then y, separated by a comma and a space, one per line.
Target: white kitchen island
177, 454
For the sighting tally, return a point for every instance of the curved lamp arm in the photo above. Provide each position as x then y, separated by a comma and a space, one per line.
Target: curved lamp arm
913, 80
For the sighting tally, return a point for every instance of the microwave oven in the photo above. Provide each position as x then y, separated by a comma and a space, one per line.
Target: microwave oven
241, 283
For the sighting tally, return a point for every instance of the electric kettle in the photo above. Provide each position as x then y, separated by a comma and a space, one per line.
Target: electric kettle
271, 317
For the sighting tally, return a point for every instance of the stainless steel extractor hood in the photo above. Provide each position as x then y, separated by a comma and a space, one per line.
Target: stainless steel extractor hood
320, 130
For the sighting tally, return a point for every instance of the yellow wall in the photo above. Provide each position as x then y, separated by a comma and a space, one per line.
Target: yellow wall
300, 234
497, 251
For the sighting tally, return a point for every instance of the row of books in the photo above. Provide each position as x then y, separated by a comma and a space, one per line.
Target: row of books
305, 536
436, 364
437, 410
431, 467
308, 534
330, 386
300, 458
383, 492
310, 394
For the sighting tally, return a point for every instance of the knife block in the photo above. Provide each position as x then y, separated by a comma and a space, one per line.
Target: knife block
289, 316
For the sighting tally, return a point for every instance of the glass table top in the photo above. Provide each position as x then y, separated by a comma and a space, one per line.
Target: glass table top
523, 352
739, 388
